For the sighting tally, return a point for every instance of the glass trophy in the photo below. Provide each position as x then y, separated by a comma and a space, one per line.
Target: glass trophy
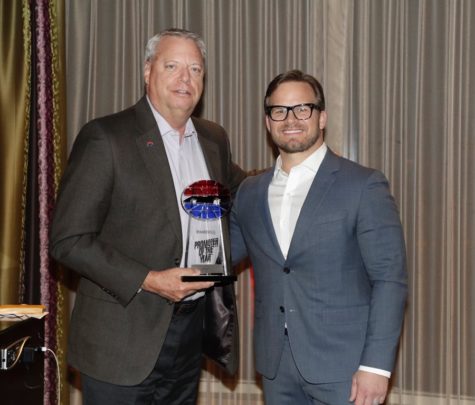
206, 202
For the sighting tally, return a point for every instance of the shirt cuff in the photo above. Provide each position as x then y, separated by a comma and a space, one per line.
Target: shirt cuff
373, 370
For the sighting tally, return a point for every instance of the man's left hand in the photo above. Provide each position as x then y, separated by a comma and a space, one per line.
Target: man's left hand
368, 388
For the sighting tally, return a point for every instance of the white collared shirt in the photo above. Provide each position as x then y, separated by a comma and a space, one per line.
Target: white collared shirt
186, 161
287, 193
187, 164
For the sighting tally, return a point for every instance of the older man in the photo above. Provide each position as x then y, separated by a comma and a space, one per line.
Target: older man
137, 328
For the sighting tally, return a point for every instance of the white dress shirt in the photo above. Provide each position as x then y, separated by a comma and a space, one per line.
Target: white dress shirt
187, 164
287, 193
286, 196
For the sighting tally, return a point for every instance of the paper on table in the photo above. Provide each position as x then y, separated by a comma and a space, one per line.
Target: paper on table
22, 311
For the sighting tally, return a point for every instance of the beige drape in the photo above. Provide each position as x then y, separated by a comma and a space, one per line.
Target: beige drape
14, 91
32, 131
397, 76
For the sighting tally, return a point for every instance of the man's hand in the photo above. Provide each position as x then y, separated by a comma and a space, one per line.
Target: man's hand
368, 388
168, 284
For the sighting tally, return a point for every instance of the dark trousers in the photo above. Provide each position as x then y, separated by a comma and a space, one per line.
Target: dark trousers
290, 388
175, 377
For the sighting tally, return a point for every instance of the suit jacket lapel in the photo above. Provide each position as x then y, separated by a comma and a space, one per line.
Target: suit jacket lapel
210, 152
152, 150
324, 179
264, 215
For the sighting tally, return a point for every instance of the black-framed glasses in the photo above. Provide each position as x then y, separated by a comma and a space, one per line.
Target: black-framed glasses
300, 111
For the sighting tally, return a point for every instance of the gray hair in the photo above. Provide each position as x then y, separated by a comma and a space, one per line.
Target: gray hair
152, 44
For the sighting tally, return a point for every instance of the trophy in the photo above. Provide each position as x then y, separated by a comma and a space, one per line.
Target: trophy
206, 202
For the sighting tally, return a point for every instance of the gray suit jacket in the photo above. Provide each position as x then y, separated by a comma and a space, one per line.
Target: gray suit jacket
116, 218
342, 289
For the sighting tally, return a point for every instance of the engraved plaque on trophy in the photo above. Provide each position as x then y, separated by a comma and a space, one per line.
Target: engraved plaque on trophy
206, 203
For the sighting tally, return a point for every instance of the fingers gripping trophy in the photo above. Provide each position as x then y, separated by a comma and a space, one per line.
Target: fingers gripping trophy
206, 202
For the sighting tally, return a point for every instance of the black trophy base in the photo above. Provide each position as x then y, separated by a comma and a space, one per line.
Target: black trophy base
220, 278
210, 272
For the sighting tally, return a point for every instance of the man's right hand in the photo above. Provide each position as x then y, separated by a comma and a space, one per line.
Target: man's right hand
168, 283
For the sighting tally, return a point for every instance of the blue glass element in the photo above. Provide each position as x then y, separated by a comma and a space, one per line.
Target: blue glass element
203, 210
206, 200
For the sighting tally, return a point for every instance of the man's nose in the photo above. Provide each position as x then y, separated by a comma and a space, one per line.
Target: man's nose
185, 75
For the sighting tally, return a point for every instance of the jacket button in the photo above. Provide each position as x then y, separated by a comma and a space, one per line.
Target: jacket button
286, 270
282, 309
177, 261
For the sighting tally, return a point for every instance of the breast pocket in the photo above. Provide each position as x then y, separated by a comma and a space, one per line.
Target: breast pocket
330, 218
324, 234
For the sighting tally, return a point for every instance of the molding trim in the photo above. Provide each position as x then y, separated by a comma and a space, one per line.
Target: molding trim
396, 397
425, 398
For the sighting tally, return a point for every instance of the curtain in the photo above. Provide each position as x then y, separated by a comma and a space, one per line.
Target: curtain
32, 138
397, 80
14, 92
410, 86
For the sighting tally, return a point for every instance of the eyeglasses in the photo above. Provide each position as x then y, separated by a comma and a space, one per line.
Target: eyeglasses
300, 111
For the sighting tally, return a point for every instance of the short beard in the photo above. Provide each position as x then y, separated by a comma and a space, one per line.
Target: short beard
295, 146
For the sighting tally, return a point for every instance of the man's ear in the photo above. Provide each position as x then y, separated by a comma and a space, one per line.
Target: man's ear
267, 123
146, 72
322, 120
